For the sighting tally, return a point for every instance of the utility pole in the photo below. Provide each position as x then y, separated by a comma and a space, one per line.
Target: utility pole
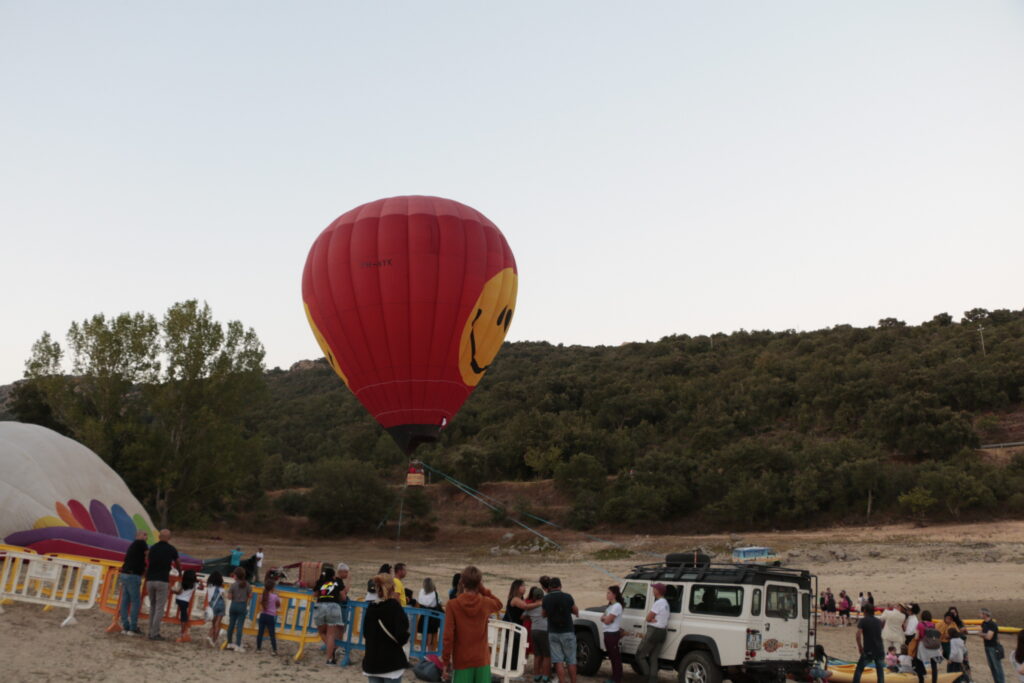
981, 333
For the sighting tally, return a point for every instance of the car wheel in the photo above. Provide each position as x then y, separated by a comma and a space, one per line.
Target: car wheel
588, 654
698, 667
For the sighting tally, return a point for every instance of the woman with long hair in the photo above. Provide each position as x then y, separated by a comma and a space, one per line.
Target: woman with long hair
239, 593
515, 607
612, 621
386, 631
429, 599
327, 615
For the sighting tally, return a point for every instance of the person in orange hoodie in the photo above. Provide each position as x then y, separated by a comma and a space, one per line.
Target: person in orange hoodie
466, 653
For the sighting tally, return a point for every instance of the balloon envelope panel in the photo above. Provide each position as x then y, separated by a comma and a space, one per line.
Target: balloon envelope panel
410, 299
44, 476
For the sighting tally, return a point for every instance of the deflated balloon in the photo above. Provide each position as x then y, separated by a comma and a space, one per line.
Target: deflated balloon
410, 299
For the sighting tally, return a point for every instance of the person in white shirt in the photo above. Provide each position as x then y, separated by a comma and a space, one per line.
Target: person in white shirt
427, 599
892, 627
654, 638
259, 562
612, 621
910, 625
957, 651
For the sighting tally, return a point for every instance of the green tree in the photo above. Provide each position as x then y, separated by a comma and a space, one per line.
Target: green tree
99, 401
918, 501
162, 403
213, 373
348, 498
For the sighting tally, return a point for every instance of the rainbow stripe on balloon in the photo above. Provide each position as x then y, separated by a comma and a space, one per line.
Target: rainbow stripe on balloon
98, 531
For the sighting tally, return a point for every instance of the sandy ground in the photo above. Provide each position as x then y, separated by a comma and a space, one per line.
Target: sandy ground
966, 565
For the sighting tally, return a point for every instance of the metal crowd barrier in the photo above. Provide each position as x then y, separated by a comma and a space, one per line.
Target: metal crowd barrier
49, 581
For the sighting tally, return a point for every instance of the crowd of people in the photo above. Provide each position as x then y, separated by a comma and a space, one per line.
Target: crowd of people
905, 639
544, 610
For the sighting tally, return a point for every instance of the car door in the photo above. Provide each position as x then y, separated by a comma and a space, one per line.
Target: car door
785, 634
634, 613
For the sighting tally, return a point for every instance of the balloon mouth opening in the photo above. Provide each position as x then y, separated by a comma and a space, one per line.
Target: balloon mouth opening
409, 437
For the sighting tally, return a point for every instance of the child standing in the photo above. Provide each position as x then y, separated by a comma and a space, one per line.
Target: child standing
240, 592
268, 616
217, 605
183, 600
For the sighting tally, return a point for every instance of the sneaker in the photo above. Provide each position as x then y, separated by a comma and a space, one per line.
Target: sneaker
135, 631
156, 637
240, 648
273, 653
231, 646
128, 633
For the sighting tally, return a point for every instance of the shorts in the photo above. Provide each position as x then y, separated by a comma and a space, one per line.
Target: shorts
563, 648
478, 674
541, 646
844, 612
183, 610
327, 614
218, 609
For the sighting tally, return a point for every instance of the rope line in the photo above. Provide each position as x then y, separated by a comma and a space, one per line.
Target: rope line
498, 507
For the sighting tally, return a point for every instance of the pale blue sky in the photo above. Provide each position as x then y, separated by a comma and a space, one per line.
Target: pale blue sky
657, 168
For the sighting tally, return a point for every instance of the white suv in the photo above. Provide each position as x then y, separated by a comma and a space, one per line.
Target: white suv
734, 621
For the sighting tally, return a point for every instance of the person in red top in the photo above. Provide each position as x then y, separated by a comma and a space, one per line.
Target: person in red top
466, 654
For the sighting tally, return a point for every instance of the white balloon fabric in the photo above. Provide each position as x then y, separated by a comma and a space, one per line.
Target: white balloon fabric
52, 485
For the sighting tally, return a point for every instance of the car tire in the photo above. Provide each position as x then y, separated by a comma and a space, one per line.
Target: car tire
588, 653
698, 667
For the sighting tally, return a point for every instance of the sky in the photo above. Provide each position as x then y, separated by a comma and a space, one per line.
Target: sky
657, 168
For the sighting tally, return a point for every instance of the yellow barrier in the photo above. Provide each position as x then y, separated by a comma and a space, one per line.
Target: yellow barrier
294, 621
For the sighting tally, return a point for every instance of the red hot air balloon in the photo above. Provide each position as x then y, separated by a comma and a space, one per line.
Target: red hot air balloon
410, 299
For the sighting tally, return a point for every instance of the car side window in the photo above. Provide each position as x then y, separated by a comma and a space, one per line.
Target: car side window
674, 595
635, 595
722, 600
781, 602
755, 603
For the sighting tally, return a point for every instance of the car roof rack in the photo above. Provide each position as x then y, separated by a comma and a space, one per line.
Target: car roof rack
674, 570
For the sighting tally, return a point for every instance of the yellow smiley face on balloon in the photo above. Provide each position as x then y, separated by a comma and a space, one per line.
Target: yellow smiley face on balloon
487, 324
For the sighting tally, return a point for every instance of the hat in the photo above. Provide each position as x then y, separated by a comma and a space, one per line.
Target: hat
660, 587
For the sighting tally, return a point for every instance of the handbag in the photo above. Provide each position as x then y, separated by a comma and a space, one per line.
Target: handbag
1000, 652
427, 670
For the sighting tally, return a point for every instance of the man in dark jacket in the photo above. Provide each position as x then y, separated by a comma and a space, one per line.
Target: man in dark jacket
158, 574
131, 584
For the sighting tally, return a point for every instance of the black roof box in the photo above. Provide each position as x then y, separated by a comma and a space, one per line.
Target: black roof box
694, 558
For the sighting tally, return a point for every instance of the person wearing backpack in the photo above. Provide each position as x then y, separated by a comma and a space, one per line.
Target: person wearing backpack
929, 647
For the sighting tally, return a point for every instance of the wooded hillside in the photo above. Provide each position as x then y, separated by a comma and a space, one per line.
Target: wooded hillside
750, 429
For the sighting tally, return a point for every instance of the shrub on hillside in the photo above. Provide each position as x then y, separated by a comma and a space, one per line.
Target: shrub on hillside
347, 498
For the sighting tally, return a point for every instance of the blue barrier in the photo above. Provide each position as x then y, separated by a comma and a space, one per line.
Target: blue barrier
420, 620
